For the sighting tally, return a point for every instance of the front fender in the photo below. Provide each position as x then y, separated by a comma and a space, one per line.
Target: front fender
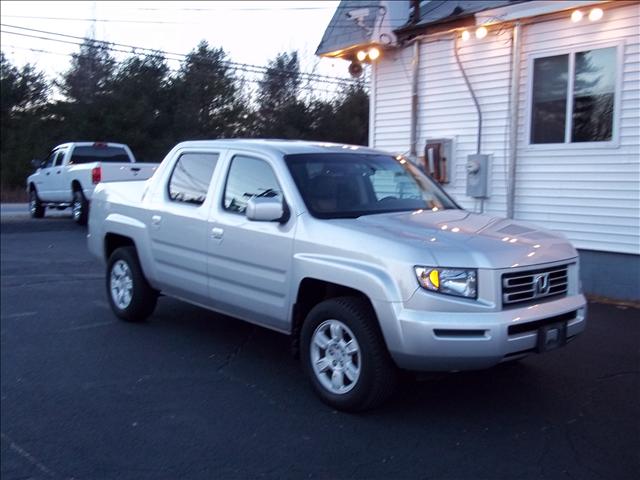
369, 279
376, 283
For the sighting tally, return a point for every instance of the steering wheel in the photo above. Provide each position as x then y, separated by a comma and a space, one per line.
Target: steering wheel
388, 199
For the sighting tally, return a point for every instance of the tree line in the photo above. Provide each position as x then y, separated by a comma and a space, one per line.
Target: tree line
141, 102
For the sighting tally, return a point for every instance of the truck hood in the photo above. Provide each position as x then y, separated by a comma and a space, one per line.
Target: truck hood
457, 238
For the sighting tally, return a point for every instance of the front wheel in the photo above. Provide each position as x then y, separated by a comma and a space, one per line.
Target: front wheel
80, 208
345, 356
36, 209
130, 295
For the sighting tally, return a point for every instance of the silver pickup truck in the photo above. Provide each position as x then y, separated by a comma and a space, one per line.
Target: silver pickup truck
365, 262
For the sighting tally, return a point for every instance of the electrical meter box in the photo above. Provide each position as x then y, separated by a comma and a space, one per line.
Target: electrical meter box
436, 163
477, 175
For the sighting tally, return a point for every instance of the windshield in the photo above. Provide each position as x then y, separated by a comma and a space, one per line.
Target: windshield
349, 185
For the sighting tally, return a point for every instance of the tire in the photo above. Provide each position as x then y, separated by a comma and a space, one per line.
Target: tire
131, 297
36, 209
79, 208
365, 378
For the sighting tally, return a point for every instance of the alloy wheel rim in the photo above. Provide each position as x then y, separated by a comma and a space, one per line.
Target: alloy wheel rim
121, 284
32, 203
76, 207
335, 357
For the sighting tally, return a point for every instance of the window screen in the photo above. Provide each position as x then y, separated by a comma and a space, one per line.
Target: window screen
249, 177
191, 177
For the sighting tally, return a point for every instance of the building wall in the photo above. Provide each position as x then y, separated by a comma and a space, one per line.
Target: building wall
592, 195
612, 275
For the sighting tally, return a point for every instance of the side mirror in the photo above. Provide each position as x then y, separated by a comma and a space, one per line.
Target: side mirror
35, 163
260, 209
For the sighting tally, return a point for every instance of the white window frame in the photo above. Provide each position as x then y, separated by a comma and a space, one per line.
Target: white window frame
567, 144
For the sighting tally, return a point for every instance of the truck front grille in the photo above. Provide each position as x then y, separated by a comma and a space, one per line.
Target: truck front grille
533, 285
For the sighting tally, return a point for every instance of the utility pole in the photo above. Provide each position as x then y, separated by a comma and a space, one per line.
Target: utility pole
94, 13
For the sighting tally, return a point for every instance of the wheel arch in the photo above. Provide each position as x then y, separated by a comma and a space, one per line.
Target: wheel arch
121, 230
311, 291
113, 241
76, 186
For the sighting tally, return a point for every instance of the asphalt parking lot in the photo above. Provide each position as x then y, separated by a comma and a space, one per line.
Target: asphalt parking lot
192, 394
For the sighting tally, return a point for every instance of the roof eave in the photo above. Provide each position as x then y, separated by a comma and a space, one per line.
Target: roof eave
437, 26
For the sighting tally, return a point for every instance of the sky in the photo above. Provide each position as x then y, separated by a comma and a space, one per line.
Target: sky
251, 32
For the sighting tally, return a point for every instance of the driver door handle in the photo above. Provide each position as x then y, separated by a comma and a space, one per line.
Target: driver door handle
217, 232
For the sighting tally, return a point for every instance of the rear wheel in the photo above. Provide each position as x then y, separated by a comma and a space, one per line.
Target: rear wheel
36, 209
344, 355
130, 295
79, 208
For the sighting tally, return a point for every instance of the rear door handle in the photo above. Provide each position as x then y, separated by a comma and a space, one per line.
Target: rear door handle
217, 232
156, 219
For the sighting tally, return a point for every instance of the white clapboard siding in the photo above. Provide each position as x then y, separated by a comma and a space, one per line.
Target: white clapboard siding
592, 195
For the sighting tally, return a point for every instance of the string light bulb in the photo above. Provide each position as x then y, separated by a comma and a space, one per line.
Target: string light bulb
374, 53
481, 32
595, 14
361, 55
466, 35
576, 16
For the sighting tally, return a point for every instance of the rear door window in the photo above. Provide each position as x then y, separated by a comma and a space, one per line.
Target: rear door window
99, 153
191, 177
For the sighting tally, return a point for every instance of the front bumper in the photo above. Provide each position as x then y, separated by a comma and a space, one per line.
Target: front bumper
443, 341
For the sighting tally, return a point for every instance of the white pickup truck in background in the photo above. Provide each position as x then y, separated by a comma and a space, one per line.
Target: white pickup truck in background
70, 173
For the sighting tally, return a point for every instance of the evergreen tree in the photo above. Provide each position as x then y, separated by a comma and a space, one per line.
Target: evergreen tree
138, 109
24, 93
85, 87
281, 112
351, 115
206, 96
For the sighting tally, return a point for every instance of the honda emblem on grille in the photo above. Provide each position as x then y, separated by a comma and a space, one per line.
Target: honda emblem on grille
541, 284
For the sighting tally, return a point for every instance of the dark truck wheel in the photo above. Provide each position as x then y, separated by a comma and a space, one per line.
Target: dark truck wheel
79, 208
36, 209
130, 295
344, 355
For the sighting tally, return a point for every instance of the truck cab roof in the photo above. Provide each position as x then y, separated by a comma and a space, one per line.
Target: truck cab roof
282, 147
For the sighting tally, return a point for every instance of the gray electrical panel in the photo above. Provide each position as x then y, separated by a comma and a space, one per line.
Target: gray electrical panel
477, 175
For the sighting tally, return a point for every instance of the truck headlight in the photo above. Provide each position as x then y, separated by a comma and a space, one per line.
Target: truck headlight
450, 281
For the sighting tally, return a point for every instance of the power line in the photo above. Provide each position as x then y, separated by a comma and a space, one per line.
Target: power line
307, 87
102, 20
345, 23
247, 9
340, 7
197, 59
258, 68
